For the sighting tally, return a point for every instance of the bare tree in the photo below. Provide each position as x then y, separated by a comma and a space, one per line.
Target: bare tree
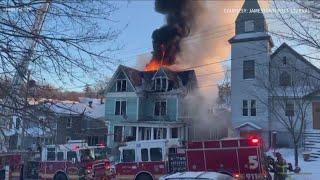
53, 38
224, 92
290, 86
301, 25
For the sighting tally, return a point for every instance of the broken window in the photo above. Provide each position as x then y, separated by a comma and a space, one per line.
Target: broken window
245, 108
253, 110
248, 69
289, 109
121, 85
160, 108
121, 107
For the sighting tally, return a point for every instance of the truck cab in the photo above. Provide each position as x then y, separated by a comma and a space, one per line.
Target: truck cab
74, 160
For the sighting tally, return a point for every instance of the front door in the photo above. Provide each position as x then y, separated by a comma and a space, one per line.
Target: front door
316, 115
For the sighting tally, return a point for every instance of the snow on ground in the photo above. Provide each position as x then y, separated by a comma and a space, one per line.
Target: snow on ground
309, 170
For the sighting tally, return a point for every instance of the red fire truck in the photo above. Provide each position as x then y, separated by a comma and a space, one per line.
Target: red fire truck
75, 160
148, 160
10, 166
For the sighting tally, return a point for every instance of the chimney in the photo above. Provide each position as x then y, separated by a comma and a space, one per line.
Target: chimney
90, 104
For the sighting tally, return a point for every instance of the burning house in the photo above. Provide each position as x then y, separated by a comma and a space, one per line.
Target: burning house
147, 105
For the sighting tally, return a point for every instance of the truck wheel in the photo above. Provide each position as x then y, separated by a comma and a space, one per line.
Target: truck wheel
60, 176
144, 176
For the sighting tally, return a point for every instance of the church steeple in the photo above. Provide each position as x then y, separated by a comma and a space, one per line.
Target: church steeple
251, 18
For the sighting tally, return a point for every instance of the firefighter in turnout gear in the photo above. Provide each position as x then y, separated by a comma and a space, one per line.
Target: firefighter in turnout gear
281, 168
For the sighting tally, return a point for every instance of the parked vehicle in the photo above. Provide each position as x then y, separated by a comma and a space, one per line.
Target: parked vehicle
197, 175
75, 160
10, 166
148, 160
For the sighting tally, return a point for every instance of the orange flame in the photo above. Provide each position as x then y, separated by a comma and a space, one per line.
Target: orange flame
154, 65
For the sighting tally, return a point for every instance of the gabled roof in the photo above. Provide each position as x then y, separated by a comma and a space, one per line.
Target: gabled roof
248, 125
144, 79
295, 53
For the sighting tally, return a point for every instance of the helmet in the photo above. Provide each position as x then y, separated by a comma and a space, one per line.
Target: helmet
278, 155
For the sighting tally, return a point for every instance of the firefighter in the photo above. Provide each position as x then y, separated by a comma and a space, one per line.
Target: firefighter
281, 168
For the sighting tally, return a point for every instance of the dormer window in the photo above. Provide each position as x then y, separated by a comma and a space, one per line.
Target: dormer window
249, 26
121, 85
161, 84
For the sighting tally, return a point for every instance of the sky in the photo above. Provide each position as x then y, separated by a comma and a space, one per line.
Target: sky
137, 19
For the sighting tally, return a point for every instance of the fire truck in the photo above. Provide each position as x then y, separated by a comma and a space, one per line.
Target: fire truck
10, 165
148, 160
74, 160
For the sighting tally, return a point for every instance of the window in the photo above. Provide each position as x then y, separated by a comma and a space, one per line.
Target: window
69, 123
156, 154
285, 79
68, 138
128, 155
253, 110
160, 108
117, 134
18, 122
159, 133
93, 140
145, 133
248, 69
121, 107
284, 60
129, 133
144, 155
174, 132
289, 109
71, 155
244, 108
249, 26
51, 154
161, 84
121, 85
60, 156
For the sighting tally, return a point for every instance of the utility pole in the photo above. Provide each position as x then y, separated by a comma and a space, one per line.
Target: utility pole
15, 98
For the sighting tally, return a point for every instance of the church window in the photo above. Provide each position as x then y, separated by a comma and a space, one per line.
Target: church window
285, 79
249, 26
248, 69
245, 108
284, 60
289, 109
253, 108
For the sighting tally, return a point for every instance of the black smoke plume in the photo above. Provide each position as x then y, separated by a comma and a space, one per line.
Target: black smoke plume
179, 17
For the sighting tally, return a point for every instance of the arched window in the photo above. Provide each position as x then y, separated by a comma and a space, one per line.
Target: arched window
285, 79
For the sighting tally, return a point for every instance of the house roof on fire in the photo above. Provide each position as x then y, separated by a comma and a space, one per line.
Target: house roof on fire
143, 80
